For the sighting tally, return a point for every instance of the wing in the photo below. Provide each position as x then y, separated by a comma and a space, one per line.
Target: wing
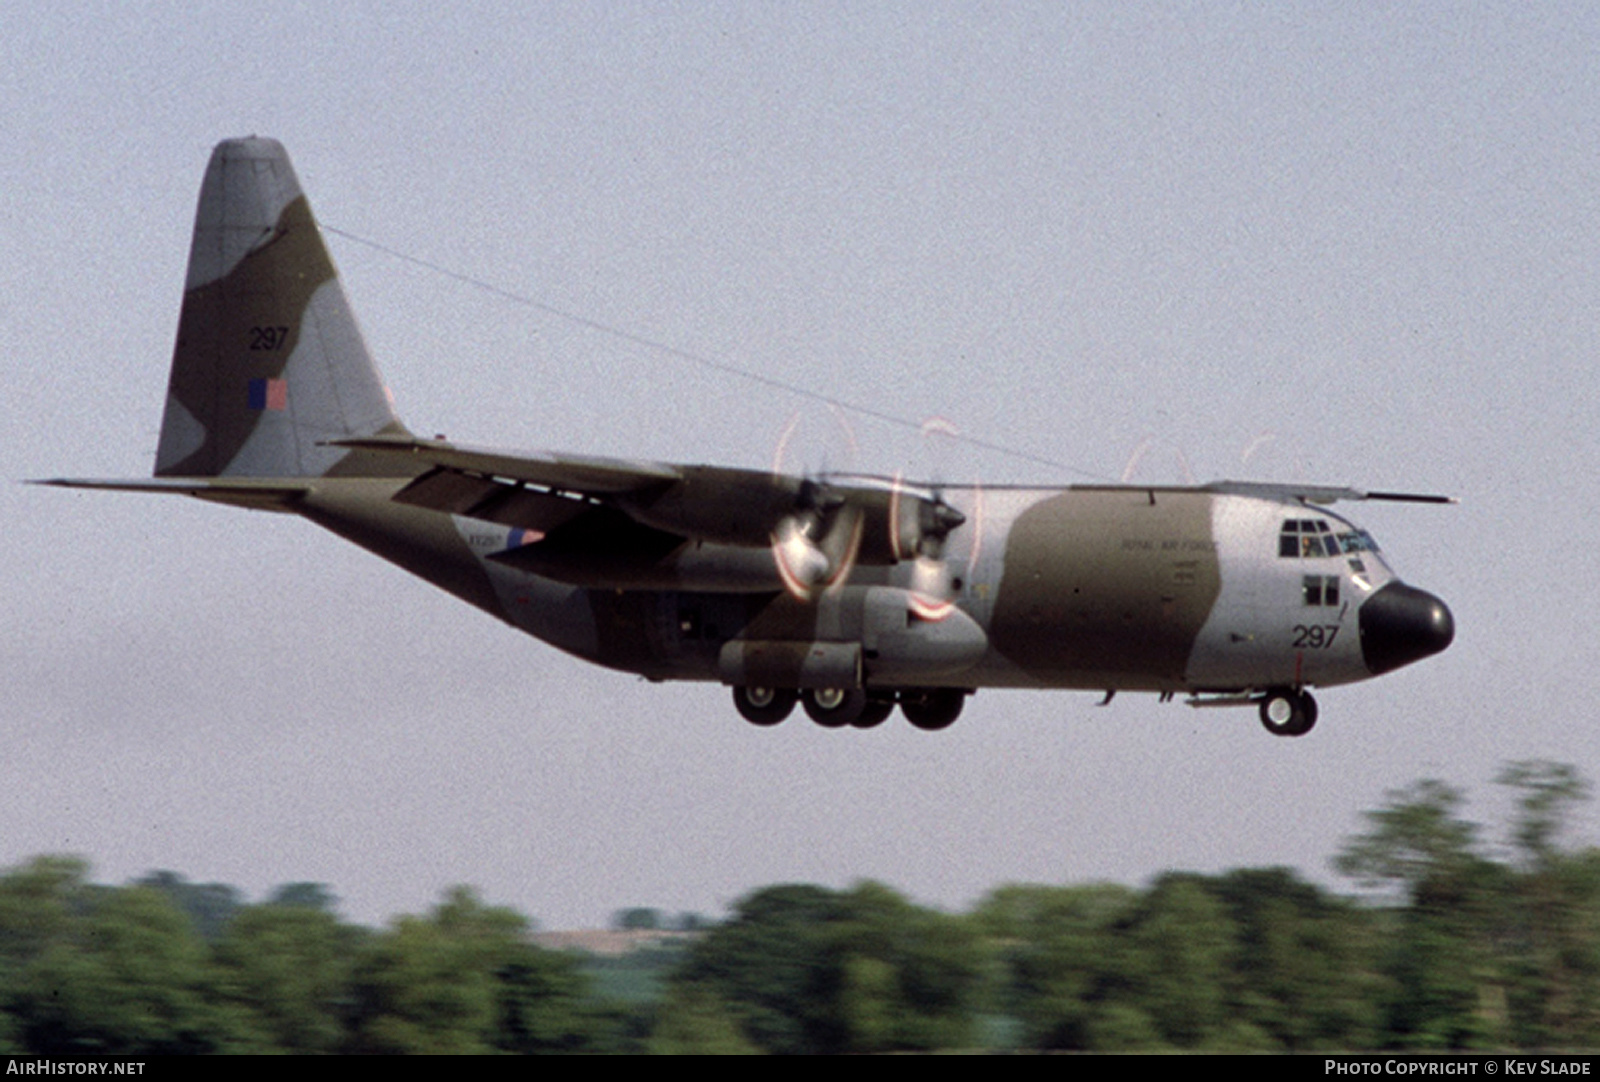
615, 522
1318, 494
542, 491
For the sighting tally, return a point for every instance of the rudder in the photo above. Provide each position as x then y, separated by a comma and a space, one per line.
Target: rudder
269, 362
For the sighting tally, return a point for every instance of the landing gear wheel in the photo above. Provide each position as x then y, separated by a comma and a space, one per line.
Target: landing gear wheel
1285, 712
834, 708
764, 706
932, 709
1308, 706
876, 711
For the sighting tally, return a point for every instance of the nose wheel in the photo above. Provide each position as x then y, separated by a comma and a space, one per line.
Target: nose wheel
1287, 712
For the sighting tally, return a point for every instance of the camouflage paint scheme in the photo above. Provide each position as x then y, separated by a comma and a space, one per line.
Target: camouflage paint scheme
853, 593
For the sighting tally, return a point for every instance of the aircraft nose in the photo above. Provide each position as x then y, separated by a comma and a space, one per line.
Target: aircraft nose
1401, 624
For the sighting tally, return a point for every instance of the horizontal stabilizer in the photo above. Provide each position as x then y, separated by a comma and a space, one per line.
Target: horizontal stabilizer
263, 494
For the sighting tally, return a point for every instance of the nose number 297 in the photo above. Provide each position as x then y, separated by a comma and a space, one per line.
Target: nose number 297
1314, 636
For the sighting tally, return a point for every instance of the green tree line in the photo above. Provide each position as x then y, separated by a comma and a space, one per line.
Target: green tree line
1456, 943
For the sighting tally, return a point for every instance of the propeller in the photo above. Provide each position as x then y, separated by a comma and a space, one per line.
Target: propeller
933, 587
1143, 447
920, 522
819, 542
815, 546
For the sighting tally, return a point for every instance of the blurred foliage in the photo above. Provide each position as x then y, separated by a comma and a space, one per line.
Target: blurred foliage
638, 977
802, 969
1459, 946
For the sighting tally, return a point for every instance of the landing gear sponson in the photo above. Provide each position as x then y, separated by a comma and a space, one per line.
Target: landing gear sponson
929, 709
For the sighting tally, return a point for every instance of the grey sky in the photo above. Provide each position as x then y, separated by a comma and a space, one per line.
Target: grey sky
1370, 231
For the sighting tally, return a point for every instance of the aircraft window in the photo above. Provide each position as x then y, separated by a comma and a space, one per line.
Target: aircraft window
1320, 589
1357, 541
1308, 538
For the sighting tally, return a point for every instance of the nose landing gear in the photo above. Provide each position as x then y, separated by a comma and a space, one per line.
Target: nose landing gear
1287, 712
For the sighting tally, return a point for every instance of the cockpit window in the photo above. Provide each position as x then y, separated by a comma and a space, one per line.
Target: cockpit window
1306, 538
1357, 541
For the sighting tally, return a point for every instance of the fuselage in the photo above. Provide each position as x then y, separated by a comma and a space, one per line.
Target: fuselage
1092, 588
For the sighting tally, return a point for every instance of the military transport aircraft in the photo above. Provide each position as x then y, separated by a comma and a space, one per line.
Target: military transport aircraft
850, 594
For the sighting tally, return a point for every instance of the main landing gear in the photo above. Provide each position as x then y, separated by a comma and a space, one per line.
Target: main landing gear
856, 708
932, 709
1287, 712
764, 706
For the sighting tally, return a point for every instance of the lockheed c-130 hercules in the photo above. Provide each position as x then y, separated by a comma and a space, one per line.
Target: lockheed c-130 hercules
851, 594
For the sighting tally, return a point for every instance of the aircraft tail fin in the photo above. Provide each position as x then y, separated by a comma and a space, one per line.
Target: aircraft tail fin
269, 364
